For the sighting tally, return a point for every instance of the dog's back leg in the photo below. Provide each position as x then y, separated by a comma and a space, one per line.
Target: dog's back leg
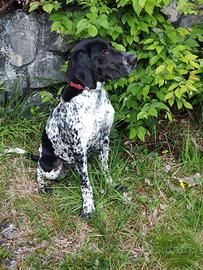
49, 168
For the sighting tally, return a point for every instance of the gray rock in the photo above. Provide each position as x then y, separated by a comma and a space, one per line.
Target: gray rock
8, 230
22, 31
14, 79
45, 70
179, 19
9, 264
34, 99
30, 55
171, 12
190, 20
2, 63
57, 43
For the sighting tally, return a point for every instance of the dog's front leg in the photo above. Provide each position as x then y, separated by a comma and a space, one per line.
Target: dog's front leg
86, 189
104, 157
41, 180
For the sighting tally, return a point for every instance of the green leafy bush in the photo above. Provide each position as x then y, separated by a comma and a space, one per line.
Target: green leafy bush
170, 61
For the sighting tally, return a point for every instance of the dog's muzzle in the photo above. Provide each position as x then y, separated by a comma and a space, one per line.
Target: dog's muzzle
129, 61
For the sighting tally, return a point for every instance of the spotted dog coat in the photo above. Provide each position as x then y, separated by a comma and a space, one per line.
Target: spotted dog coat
82, 120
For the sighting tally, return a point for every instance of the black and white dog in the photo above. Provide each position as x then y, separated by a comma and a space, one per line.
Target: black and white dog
82, 120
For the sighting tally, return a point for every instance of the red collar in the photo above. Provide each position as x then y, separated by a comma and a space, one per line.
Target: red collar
76, 85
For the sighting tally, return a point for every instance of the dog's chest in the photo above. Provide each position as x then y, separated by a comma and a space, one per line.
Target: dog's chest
80, 123
99, 117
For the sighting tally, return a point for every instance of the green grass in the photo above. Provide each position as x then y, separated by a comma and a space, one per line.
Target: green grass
159, 225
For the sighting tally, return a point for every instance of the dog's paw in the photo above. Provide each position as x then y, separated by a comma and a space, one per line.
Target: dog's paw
109, 180
86, 213
45, 190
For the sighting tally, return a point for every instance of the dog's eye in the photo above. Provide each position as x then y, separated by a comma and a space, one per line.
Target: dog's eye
104, 51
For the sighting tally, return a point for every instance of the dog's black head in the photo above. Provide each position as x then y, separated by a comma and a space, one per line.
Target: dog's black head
93, 60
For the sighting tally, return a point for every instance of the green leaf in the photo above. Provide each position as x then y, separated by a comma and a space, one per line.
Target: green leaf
142, 3
92, 30
142, 115
115, 32
57, 5
173, 86
118, 47
161, 105
180, 91
149, 7
151, 47
194, 64
102, 21
161, 82
166, 2
152, 111
169, 95
133, 88
34, 6
159, 49
145, 91
81, 26
122, 3
147, 41
183, 31
171, 33
160, 69
46, 96
144, 27
48, 8
187, 104
179, 104
130, 39
157, 79
188, 58
67, 24
92, 16
133, 133
134, 31
57, 16
160, 95
93, 9
171, 102
137, 7
55, 26
190, 86
169, 115
141, 133
178, 48
170, 68
191, 43
154, 59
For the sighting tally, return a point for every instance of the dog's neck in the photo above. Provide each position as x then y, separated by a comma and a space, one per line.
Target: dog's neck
71, 90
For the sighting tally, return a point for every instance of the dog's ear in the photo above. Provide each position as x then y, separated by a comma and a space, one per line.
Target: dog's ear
82, 69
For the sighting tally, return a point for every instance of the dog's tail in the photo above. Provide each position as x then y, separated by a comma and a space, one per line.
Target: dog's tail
32, 157
17, 150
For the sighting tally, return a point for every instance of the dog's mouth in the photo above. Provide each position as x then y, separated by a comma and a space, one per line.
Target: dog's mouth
115, 66
129, 62
121, 68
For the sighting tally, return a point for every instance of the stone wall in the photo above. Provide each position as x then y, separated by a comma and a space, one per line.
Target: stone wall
180, 20
30, 55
